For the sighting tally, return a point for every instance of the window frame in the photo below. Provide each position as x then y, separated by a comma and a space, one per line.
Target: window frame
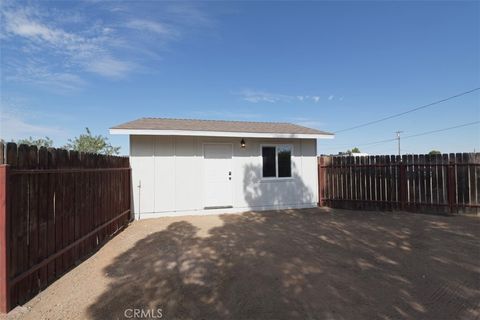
275, 145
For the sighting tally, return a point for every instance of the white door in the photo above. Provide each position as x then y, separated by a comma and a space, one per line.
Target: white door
218, 175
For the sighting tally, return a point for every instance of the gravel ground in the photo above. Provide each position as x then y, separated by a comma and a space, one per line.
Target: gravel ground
293, 264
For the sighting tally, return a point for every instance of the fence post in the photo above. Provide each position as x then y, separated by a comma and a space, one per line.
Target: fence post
451, 186
4, 236
320, 181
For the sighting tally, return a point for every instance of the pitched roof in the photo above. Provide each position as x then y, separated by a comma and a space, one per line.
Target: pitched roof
218, 126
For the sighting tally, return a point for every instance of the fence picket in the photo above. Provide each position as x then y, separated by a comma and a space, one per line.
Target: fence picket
476, 180
14, 268
51, 230
368, 180
434, 190
394, 182
362, 178
32, 220
42, 214
328, 181
349, 186
467, 185
59, 213
421, 182
22, 224
448, 189
358, 182
2, 153
461, 179
472, 183
387, 179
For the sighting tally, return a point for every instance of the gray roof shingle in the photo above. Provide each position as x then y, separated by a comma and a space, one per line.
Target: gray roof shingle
218, 125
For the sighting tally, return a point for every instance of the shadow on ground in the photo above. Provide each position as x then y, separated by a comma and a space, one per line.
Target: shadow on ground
302, 264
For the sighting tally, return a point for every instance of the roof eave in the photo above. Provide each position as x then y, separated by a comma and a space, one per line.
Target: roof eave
156, 132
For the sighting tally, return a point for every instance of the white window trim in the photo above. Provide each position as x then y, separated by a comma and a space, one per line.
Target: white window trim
275, 145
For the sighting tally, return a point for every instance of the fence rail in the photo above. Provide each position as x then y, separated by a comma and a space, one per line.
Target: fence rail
56, 208
448, 183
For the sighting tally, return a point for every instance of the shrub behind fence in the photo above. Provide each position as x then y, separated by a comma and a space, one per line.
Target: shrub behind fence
56, 208
448, 183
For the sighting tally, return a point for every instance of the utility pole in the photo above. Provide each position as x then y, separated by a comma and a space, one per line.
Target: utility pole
398, 140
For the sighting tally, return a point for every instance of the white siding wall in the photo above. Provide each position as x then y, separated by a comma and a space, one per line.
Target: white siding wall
164, 173
170, 169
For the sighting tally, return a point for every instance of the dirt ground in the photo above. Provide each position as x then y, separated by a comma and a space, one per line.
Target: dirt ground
294, 264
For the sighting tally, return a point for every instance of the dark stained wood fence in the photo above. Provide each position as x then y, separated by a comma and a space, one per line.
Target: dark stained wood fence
56, 208
448, 183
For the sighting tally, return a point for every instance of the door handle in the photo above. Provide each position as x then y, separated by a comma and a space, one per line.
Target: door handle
229, 173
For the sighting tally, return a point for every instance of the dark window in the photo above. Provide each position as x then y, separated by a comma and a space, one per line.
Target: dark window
284, 154
269, 163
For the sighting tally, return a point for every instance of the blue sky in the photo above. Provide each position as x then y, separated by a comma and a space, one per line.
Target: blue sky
66, 65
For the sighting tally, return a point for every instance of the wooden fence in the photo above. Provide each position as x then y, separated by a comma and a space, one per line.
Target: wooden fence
56, 208
448, 183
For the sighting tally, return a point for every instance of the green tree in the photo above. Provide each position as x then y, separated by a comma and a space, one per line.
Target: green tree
434, 152
41, 142
350, 152
91, 144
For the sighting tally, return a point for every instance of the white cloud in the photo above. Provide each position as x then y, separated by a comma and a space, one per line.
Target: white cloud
24, 23
110, 67
19, 24
188, 13
72, 50
150, 26
49, 49
32, 71
256, 96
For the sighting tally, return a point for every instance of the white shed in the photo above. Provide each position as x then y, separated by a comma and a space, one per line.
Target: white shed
183, 167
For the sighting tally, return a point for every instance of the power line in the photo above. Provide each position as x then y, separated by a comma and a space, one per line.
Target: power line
408, 137
408, 111
440, 130
363, 144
